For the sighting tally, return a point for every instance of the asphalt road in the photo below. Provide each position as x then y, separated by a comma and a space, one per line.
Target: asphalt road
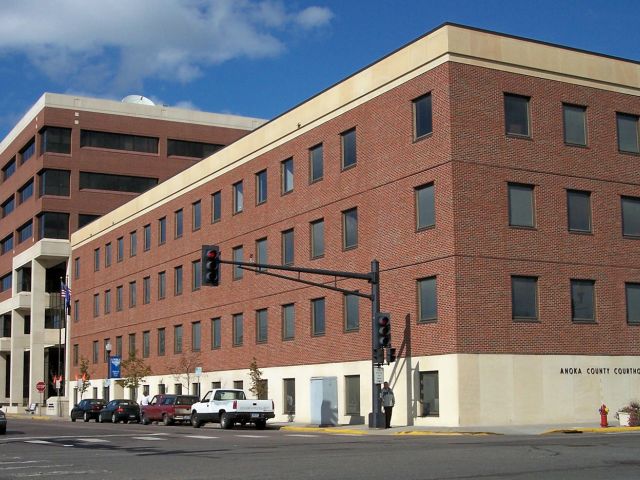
57, 450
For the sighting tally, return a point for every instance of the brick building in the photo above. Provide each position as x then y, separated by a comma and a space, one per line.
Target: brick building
68, 161
494, 180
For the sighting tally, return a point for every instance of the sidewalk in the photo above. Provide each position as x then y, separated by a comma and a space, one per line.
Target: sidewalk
546, 429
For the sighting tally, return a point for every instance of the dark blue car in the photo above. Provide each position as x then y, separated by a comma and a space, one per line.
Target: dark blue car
120, 410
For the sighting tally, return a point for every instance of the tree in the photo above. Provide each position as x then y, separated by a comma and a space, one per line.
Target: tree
258, 385
85, 376
134, 371
184, 367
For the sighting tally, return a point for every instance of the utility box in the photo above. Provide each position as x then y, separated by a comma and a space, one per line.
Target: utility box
324, 401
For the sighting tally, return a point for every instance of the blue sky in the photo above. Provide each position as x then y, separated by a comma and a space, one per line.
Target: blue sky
251, 57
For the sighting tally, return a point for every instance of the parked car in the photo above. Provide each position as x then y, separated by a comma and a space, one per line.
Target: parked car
3, 423
168, 409
120, 410
230, 406
87, 409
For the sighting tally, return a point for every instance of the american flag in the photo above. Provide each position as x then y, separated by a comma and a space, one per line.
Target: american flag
65, 292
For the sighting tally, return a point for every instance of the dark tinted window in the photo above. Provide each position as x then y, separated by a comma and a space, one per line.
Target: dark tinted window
579, 210
582, 300
25, 232
423, 117
631, 216
85, 219
524, 298
632, 291
184, 148
118, 141
116, 183
9, 169
318, 316
27, 152
427, 299
349, 156
25, 191
8, 206
575, 126
521, 205
516, 115
6, 245
56, 140
425, 207
628, 133
54, 182
216, 207
316, 167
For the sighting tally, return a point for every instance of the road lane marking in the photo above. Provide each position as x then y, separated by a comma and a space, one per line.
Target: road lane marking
156, 439
199, 436
300, 435
94, 440
251, 436
40, 442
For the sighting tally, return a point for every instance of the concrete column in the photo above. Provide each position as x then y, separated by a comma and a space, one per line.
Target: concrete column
37, 340
19, 343
3, 368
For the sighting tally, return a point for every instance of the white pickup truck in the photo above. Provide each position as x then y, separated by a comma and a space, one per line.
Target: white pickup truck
228, 407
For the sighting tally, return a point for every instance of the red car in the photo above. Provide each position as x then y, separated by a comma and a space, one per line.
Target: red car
168, 409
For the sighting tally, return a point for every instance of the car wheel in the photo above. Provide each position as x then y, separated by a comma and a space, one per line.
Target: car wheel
85, 417
166, 420
126, 420
260, 424
114, 418
225, 421
145, 420
100, 418
195, 420
73, 419
3, 430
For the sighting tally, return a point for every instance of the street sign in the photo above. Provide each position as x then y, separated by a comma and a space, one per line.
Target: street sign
378, 375
198, 371
40, 386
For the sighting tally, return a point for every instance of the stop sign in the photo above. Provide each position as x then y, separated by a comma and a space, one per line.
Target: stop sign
40, 386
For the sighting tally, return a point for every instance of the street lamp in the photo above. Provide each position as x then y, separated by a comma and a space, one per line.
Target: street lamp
107, 348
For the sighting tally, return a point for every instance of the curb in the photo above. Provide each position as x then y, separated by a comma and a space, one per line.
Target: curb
593, 430
326, 430
32, 417
440, 433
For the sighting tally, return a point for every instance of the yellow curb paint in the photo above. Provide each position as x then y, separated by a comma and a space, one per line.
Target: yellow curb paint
325, 430
417, 432
593, 430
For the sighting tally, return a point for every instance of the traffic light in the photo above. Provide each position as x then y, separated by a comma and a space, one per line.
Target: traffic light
391, 355
210, 265
378, 356
383, 330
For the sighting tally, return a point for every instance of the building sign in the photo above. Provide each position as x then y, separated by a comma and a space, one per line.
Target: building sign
600, 371
114, 366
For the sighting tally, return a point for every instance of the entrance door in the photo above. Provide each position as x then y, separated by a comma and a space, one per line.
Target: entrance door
324, 400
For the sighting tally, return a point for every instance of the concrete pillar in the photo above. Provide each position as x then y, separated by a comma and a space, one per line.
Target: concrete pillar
37, 339
3, 368
19, 343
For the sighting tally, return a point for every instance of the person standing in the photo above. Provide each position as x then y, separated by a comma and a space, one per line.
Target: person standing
388, 401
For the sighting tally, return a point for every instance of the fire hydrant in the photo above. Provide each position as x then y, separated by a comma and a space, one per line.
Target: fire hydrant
603, 416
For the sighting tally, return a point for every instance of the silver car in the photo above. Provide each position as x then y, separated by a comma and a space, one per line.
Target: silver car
3, 423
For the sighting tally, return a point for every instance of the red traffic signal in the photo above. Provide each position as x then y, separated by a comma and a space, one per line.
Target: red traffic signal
210, 265
383, 330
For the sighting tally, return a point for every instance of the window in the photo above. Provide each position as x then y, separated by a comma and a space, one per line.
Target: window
106, 348
524, 298
288, 322
177, 339
119, 299
238, 198
107, 255
8, 206
196, 336
162, 389
422, 116
162, 230
348, 142
76, 310
427, 299
351, 312
9, 169
27, 151
55, 140
118, 141
107, 302
183, 148
5, 282
216, 207
425, 207
161, 342
216, 337
582, 301
628, 133
132, 344
146, 237
289, 394
631, 216
177, 280
352, 394
54, 182
262, 325
521, 205
317, 238
96, 260
120, 249
238, 384
316, 165
575, 126
429, 394
96, 304
96, 351
115, 183
287, 247
25, 232
350, 228
516, 115
133, 244
317, 316
146, 344
146, 290
261, 252
632, 291
178, 218
76, 354
119, 345
132, 294
25, 192
579, 211
238, 327
162, 285
196, 275
261, 187
286, 173
238, 255
6, 245
53, 225
196, 215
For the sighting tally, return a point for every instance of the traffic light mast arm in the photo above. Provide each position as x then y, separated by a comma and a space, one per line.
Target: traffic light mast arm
318, 271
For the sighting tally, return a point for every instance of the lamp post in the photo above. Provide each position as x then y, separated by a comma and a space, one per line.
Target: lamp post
107, 349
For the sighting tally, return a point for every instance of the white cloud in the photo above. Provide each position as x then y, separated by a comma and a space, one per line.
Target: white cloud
113, 46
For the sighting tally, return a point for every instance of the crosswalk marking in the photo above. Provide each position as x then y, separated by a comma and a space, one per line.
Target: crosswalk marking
204, 437
150, 438
41, 442
93, 440
300, 435
250, 436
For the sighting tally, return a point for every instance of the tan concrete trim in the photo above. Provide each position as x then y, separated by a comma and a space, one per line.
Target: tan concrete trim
448, 43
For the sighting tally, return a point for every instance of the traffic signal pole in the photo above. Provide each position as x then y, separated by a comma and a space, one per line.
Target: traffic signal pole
375, 419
